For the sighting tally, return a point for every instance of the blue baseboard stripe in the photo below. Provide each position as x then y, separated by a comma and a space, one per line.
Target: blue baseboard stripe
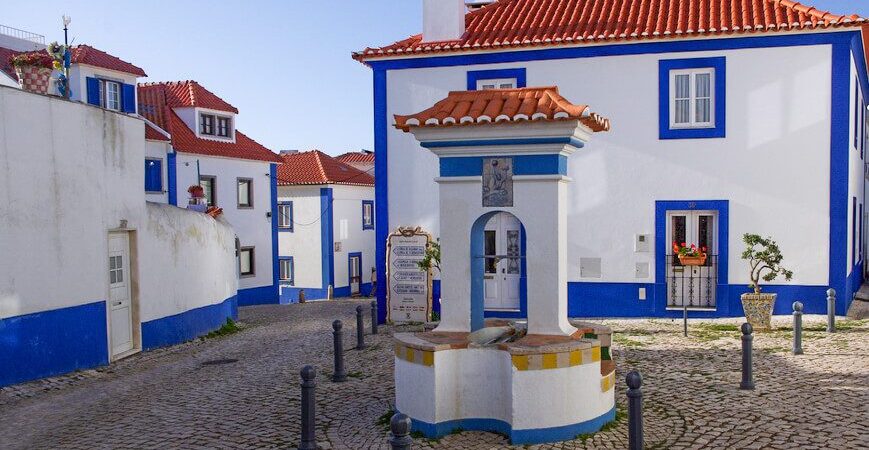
263, 295
187, 325
517, 437
53, 342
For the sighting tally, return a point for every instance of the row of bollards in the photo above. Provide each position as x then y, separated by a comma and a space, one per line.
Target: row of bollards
339, 373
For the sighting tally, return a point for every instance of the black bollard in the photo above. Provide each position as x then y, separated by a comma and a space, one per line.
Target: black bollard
338, 338
798, 328
831, 310
360, 329
747, 382
309, 385
373, 317
399, 432
635, 410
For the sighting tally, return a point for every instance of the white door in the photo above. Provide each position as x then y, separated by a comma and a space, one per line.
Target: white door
120, 302
692, 286
503, 262
355, 275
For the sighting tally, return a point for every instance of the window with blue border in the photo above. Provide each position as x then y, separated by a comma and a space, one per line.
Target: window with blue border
153, 175
285, 216
692, 98
496, 79
367, 214
288, 270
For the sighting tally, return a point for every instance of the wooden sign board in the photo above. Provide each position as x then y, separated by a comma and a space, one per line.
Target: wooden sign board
408, 288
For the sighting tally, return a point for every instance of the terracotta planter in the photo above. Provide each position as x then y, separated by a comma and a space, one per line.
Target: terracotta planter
692, 260
758, 309
33, 78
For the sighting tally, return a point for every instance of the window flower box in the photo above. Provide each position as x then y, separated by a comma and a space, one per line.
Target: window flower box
690, 255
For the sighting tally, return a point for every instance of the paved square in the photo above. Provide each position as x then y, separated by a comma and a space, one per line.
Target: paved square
242, 391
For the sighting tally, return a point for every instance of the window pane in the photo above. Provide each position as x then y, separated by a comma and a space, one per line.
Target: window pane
245, 261
683, 86
284, 216
506, 86
702, 82
244, 197
490, 251
683, 111
702, 111
285, 269
486, 87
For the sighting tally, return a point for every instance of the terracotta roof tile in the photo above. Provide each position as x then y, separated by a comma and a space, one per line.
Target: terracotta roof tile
356, 157
181, 94
152, 134
502, 106
154, 105
529, 23
316, 167
85, 54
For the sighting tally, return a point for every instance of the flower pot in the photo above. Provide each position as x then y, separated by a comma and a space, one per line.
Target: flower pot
692, 260
758, 309
33, 78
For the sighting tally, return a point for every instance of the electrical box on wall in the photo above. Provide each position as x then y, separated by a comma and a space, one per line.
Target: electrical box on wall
337, 246
589, 267
641, 270
642, 242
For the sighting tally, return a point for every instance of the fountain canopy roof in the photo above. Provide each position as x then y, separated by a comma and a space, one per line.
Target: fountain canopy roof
502, 106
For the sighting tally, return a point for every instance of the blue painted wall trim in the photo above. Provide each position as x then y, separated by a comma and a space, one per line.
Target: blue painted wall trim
262, 295
327, 238
476, 75
381, 187
839, 159
290, 294
517, 437
575, 143
682, 45
467, 166
720, 79
172, 177
276, 269
187, 325
53, 342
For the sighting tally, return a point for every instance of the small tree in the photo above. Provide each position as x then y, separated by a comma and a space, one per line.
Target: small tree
763, 255
432, 257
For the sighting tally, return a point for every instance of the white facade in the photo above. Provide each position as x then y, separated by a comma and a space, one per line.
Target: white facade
772, 168
312, 256
72, 184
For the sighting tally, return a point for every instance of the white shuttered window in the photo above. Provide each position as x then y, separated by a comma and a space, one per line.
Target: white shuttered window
692, 99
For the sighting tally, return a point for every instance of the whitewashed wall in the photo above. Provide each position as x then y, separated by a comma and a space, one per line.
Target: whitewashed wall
69, 172
771, 137
159, 150
253, 227
186, 261
304, 242
347, 207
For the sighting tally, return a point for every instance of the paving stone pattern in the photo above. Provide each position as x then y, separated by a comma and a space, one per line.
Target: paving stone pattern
170, 399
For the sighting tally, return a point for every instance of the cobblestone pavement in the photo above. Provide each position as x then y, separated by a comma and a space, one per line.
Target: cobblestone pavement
194, 396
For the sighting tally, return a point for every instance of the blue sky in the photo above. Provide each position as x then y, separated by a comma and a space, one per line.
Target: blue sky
284, 64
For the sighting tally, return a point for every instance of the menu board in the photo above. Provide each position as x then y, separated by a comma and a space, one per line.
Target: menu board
408, 294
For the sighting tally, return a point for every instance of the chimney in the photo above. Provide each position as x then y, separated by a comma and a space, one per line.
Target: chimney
443, 20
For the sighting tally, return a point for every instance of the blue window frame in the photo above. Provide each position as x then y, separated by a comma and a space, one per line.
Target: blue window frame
285, 216
856, 111
153, 175
692, 98
287, 270
367, 214
498, 74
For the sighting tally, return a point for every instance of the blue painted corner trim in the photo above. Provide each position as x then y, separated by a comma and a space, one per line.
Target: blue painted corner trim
172, 177
187, 325
53, 342
327, 237
517, 437
720, 79
273, 188
839, 161
476, 75
381, 187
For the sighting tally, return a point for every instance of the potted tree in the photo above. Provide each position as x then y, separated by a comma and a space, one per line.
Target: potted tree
33, 70
764, 262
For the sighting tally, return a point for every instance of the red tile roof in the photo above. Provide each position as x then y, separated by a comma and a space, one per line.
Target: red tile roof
527, 23
5, 65
154, 105
316, 167
85, 54
502, 106
356, 157
152, 134
183, 94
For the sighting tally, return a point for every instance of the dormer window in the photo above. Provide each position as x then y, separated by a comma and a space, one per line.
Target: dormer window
214, 125
498, 83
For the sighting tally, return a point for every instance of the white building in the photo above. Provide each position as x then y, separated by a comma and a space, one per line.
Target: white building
362, 160
722, 124
91, 271
325, 227
192, 140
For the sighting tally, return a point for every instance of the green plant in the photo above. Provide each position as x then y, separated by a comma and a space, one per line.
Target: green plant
230, 327
37, 59
763, 255
383, 420
432, 257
